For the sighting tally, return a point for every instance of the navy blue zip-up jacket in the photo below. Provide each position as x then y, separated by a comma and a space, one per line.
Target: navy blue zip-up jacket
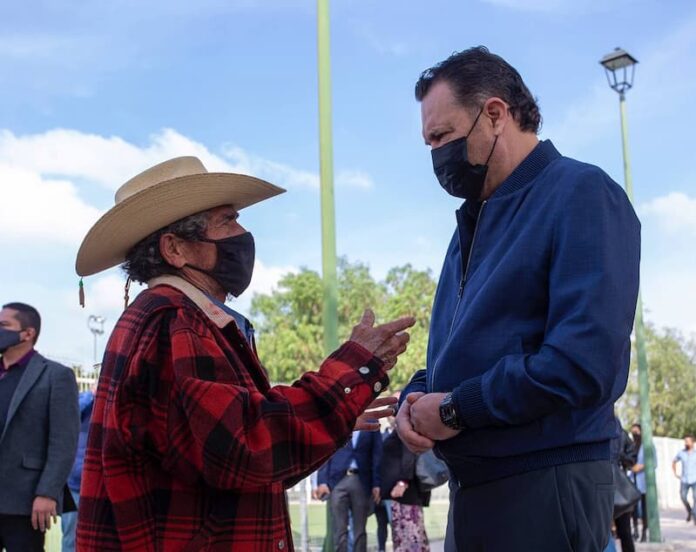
531, 327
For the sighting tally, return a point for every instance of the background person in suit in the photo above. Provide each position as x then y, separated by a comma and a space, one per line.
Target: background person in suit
352, 481
39, 424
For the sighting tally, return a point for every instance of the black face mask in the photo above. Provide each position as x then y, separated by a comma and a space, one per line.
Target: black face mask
9, 338
454, 171
235, 263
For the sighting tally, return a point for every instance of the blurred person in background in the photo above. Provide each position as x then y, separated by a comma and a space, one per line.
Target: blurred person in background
39, 426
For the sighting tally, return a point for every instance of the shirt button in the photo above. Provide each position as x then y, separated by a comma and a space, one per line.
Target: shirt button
364, 370
347, 390
377, 387
281, 544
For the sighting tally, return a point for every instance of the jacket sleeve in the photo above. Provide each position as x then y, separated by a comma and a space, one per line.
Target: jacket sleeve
417, 384
593, 287
376, 459
237, 437
323, 473
64, 428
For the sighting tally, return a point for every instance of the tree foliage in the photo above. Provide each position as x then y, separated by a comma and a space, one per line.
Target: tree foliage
672, 378
289, 320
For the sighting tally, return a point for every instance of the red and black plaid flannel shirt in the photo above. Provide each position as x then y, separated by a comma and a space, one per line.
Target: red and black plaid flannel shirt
189, 447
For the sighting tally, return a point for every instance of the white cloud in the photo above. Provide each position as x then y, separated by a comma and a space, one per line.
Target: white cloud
675, 212
278, 173
111, 161
42, 209
379, 42
107, 161
554, 6
354, 179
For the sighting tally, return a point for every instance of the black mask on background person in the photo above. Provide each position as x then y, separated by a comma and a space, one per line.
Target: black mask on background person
455, 173
9, 338
235, 263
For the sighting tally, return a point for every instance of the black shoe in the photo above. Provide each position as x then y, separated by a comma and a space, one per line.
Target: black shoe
688, 516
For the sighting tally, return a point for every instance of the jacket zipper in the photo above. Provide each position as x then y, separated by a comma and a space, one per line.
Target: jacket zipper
462, 282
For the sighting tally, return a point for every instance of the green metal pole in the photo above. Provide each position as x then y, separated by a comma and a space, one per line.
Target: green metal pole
328, 223
643, 383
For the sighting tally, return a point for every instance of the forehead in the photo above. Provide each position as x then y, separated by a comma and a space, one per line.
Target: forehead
8, 317
217, 214
440, 109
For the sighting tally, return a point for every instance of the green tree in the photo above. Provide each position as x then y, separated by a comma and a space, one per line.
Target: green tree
672, 377
289, 320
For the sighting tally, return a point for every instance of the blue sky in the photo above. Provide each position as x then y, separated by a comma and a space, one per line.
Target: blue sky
94, 92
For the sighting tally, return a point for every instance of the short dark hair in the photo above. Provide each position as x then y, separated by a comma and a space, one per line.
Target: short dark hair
476, 75
27, 316
636, 425
144, 261
689, 436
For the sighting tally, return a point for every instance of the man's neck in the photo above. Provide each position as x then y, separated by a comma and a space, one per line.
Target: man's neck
203, 282
513, 153
15, 354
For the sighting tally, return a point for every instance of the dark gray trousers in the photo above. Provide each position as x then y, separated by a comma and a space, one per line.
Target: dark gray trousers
349, 495
565, 508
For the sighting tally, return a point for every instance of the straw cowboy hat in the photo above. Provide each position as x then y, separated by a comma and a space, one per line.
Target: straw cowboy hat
158, 197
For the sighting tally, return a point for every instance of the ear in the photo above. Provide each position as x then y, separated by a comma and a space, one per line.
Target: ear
173, 250
499, 114
31, 333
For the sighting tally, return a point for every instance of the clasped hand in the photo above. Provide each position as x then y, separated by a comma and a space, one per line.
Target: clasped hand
418, 422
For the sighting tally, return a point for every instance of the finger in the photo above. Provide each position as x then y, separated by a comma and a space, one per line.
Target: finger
384, 413
396, 326
382, 401
393, 346
366, 426
48, 521
413, 397
413, 440
42, 522
368, 318
35, 520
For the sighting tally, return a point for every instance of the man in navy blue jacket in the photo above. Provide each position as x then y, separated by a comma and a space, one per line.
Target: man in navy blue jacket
530, 333
351, 479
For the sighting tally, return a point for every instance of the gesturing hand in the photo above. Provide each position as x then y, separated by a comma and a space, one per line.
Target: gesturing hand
386, 341
414, 441
368, 420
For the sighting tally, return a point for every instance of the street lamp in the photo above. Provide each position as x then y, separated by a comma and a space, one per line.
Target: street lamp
620, 67
96, 326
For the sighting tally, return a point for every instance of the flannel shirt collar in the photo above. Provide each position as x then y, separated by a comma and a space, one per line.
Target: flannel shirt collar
217, 315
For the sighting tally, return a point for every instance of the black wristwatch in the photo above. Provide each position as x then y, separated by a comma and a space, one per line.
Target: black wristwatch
448, 414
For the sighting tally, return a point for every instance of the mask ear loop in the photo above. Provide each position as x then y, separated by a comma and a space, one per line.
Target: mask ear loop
492, 149
126, 298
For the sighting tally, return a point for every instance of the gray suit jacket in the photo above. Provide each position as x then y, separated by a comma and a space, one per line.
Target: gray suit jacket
38, 443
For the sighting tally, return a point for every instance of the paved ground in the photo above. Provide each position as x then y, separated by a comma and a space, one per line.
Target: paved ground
678, 535
675, 531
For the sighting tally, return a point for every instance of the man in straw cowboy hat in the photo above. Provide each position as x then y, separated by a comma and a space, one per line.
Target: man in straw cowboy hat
190, 448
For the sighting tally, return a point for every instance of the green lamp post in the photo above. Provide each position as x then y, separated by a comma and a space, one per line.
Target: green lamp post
620, 68
328, 223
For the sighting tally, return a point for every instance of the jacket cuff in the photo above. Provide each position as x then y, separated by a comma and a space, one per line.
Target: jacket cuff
366, 368
470, 406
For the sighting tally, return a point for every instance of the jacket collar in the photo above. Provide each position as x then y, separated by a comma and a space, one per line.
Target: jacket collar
34, 369
216, 314
532, 165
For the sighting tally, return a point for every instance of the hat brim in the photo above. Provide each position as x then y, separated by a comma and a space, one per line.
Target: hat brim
136, 217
